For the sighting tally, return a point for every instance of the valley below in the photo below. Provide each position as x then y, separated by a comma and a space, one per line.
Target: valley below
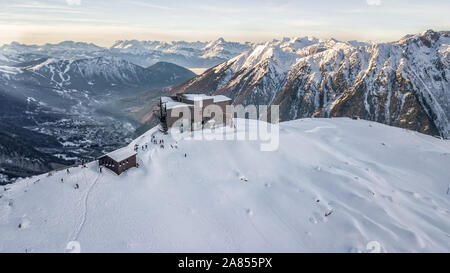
53, 113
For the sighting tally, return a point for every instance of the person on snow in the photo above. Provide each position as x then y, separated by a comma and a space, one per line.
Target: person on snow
77, 186
101, 169
185, 155
68, 171
62, 180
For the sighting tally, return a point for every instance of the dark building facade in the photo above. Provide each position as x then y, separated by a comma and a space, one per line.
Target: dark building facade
195, 104
119, 161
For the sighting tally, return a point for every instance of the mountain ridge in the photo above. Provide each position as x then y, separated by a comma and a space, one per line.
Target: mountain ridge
403, 83
145, 53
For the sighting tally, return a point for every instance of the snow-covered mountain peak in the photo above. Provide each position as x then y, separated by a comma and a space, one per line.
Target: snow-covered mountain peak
71, 45
359, 44
117, 44
144, 53
403, 83
224, 49
330, 42
215, 43
45, 63
428, 38
300, 42
136, 45
16, 48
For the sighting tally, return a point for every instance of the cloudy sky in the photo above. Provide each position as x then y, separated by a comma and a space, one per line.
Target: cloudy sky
103, 22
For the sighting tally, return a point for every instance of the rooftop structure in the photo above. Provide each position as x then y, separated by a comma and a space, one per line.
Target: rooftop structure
190, 102
119, 160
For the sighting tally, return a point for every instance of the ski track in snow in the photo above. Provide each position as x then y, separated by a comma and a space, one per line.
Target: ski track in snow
86, 208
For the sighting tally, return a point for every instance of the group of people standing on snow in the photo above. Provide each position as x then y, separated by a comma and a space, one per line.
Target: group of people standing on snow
68, 173
161, 144
143, 147
136, 149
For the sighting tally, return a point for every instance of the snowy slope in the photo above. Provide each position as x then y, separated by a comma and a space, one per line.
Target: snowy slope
3, 59
374, 183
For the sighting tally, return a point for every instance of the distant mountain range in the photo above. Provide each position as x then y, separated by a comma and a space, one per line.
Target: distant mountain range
144, 53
